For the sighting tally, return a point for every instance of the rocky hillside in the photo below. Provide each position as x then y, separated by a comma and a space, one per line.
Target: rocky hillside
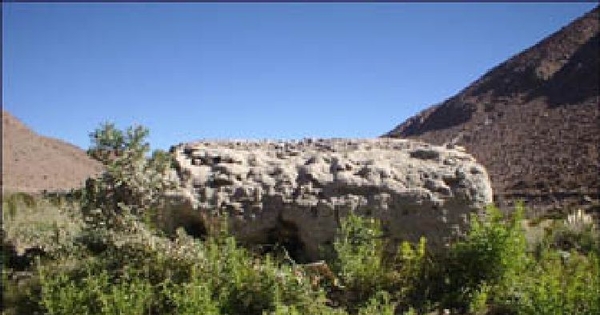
533, 120
33, 163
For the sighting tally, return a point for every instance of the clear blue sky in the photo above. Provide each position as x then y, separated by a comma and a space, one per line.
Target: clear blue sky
257, 70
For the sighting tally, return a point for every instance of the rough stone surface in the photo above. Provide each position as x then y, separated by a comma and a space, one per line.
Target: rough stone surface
301, 189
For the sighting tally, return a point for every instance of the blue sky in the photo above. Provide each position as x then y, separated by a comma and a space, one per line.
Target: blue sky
257, 70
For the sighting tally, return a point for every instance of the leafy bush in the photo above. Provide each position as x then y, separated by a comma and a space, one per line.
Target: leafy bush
412, 275
360, 251
132, 183
378, 304
559, 283
492, 255
369, 273
194, 297
248, 284
141, 271
94, 292
180, 276
492, 270
563, 274
126, 276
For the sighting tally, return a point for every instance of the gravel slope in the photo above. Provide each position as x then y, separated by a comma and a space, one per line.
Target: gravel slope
33, 163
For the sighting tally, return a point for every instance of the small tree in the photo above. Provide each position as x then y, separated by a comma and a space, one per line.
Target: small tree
132, 183
109, 143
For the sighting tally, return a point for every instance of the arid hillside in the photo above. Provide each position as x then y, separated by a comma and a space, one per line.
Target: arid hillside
533, 120
33, 163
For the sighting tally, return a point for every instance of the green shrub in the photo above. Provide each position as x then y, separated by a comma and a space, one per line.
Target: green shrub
577, 232
146, 273
129, 295
558, 283
250, 284
490, 257
378, 304
132, 182
412, 275
18, 293
94, 291
127, 276
368, 272
61, 295
194, 297
491, 269
314, 309
180, 276
359, 249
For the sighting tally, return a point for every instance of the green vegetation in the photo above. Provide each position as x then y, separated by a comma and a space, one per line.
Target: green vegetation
132, 183
96, 252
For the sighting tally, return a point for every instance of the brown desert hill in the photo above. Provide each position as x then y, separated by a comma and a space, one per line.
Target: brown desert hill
533, 120
32, 163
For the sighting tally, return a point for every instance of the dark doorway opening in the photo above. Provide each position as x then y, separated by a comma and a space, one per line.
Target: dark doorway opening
195, 227
285, 240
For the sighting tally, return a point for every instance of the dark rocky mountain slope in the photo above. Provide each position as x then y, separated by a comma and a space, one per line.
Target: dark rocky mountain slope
533, 120
33, 163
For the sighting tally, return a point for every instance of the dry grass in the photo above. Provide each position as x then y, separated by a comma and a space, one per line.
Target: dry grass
31, 222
